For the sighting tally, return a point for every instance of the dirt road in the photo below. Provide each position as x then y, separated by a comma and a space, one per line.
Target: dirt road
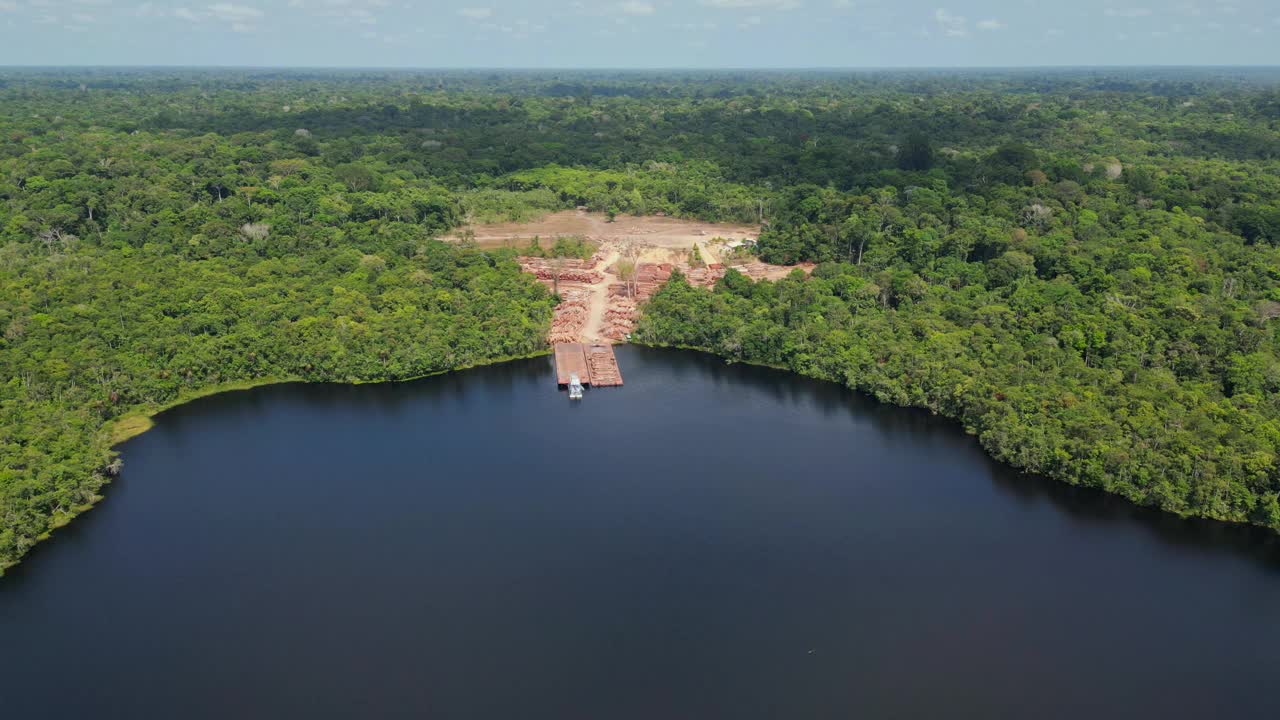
592, 332
587, 313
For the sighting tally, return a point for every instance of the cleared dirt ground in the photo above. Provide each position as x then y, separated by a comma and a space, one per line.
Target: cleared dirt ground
660, 232
597, 305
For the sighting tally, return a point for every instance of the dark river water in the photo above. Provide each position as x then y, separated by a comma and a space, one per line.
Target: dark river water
708, 541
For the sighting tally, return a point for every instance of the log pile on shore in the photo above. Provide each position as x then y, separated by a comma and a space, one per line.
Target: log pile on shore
550, 275
621, 315
578, 280
570, 315
625, 298
571, 270
705, 276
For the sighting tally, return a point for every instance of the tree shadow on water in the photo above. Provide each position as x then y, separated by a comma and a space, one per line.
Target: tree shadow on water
908, 428
1093, 507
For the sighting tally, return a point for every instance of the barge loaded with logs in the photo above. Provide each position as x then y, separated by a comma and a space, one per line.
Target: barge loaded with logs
581, 365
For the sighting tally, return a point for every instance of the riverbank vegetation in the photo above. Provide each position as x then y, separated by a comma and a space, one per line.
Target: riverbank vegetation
92, 334
1095, 294
1080, 266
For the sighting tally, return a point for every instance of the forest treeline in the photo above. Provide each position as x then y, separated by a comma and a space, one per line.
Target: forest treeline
91, 334
1080, 266
1108, 321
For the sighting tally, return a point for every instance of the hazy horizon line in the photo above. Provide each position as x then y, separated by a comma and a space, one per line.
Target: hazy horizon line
655, 68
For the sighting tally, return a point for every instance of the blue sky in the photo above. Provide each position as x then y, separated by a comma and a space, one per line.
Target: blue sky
639, 33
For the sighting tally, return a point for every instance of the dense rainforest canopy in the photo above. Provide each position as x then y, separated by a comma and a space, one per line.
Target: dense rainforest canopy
1081, 266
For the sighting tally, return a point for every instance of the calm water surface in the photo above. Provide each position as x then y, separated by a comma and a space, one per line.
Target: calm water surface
706, 542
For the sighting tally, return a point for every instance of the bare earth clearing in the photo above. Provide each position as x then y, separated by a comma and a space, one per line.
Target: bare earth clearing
598, 304
663, 232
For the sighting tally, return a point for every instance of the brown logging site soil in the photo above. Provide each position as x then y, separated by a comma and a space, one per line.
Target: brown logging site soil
662, 232
597, 305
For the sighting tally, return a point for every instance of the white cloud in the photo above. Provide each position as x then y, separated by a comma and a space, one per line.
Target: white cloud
1133, 12
239, 18
636, 7
752, 4
990, 25
841, 4
519, 30
750, 21
476, 13
234, 13
951, 25
342, 13
8, 6
81, 18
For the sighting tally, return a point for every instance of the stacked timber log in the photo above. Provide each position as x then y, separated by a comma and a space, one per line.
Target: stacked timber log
528, 263
623, 300
568, 269
603, 366
650, 277
570, 315
620, 316
705, 276
547, 274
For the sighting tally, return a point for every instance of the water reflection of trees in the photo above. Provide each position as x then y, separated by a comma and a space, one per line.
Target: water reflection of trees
907, 428
898, 428
388, 397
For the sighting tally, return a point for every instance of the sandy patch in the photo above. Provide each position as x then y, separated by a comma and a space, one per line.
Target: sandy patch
658, 232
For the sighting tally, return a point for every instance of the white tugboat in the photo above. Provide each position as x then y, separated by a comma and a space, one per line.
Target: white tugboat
575, 387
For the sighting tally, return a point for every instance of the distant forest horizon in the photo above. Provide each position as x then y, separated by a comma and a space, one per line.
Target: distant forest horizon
1079, 266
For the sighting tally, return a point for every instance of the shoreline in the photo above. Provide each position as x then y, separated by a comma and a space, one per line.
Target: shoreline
134, 424
139, 421
129, 426
971, 432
